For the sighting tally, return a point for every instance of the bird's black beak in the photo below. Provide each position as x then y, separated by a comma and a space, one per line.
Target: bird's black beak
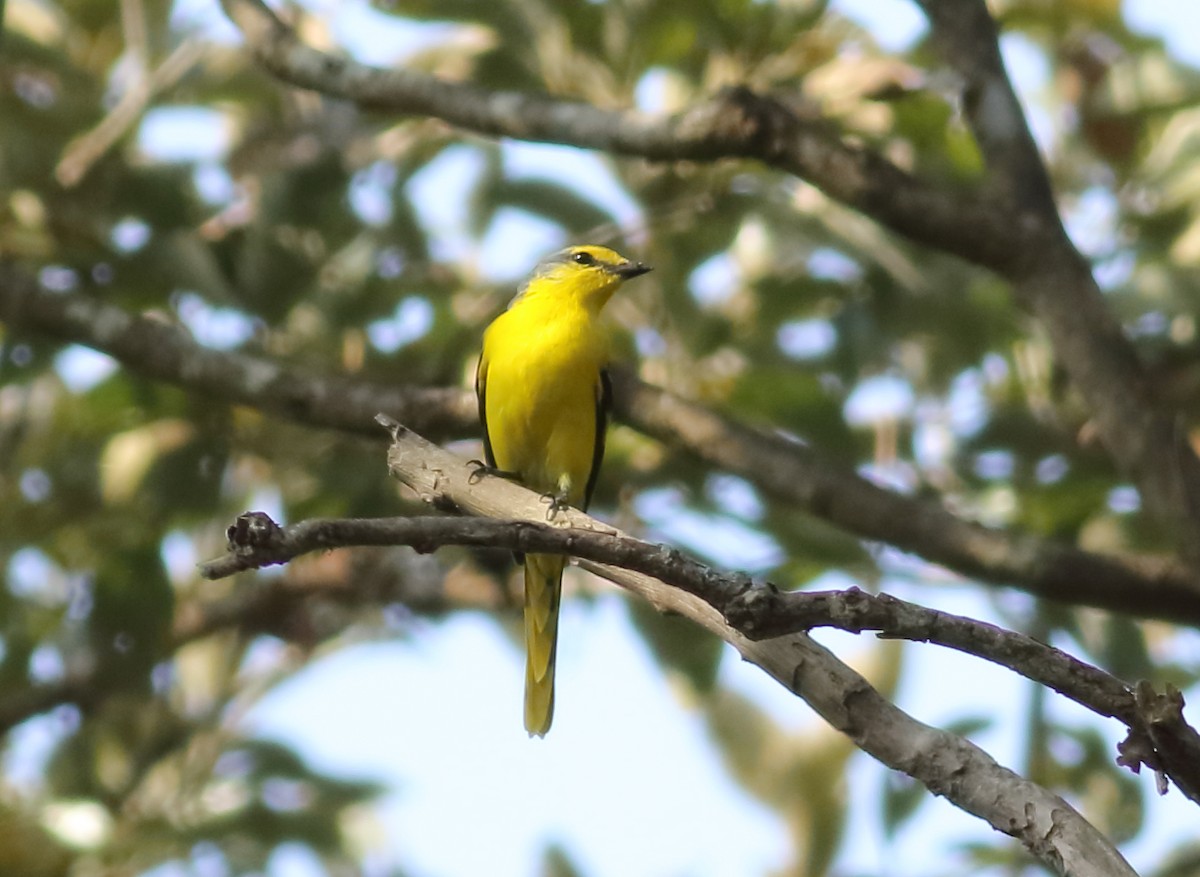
626, 270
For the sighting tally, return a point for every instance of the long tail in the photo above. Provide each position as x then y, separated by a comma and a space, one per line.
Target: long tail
543, 587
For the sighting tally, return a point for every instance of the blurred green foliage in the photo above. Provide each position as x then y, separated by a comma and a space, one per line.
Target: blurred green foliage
297, 232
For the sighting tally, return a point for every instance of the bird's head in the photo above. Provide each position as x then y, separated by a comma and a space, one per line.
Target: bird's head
588, 274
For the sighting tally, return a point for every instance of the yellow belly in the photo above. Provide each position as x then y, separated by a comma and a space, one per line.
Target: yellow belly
542, 387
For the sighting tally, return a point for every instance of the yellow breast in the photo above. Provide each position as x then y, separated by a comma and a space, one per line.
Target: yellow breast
543, 380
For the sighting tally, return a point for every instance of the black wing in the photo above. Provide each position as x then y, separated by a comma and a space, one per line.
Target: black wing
481, 398
603, 406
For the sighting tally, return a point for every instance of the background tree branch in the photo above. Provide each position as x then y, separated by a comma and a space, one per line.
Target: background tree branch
1057, 283
158, 348
735, 124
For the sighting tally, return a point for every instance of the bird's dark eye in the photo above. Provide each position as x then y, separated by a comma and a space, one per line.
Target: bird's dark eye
583, 259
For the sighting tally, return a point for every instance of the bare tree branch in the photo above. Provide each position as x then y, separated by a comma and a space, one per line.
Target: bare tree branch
1162, 716
270, 605
756, 610
946, 764
966, 36
763, 612
1140, 586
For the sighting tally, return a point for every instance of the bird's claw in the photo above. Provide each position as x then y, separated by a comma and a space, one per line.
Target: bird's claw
482, 469
478, 472
555, 503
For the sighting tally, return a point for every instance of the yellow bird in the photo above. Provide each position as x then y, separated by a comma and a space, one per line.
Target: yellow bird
543, 400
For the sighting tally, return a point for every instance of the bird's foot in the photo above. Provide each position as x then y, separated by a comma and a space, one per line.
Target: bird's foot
555, 503
481, 469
